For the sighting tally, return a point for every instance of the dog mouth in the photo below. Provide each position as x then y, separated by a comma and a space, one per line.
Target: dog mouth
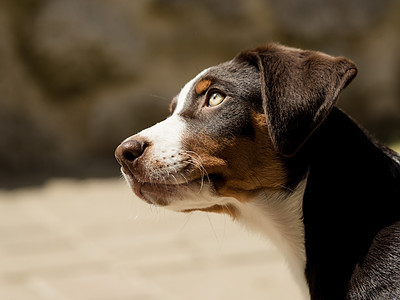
163, 193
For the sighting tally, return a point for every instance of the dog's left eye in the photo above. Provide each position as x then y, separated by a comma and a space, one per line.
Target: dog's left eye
215, 99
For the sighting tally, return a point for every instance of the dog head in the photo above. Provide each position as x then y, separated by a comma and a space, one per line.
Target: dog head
232, 128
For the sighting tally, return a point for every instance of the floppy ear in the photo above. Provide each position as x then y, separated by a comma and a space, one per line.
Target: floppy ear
299, 89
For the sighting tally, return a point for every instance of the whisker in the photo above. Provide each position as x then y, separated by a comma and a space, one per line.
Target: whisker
159, 97
184, 178
176, 180
168, 174
196, 160
213, 229
189, 216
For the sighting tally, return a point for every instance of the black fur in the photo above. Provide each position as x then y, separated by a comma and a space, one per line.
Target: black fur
352, 194
298, 88
351, 206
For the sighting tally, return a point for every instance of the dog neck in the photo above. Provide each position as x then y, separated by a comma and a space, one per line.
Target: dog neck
279, 217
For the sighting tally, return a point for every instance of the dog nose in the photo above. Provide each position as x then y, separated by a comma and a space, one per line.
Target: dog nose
127, 152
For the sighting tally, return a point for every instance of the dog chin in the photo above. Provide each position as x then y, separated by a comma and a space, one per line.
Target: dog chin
185, 197
170, 195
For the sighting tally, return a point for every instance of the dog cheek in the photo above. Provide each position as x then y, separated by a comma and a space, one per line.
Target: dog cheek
253, 163
206, 151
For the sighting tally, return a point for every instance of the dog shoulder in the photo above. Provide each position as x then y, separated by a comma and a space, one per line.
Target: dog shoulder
378, 276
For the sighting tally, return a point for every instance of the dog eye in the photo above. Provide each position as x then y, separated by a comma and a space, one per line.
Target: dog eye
215, 99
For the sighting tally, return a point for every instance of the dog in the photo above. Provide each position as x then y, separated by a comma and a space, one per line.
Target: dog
259, 138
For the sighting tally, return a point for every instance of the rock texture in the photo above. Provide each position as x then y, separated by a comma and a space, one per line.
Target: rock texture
78, 76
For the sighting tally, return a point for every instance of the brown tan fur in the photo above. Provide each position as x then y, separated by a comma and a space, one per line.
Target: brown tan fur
245, 165
202, 86
220, 209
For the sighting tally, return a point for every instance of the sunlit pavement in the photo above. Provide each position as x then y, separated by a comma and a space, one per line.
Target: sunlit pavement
93, 240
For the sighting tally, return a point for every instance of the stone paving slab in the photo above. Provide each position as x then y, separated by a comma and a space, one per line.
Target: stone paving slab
93, 240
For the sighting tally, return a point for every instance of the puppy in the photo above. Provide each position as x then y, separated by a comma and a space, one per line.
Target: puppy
259, 138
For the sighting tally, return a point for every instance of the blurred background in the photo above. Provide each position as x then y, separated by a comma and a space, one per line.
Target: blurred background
78, 76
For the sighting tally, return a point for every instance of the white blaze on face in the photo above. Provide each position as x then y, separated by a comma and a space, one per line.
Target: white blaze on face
185, 92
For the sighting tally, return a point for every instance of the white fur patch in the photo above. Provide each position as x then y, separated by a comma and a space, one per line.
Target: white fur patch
279, 218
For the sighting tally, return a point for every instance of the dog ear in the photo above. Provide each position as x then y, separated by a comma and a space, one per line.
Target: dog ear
299, 89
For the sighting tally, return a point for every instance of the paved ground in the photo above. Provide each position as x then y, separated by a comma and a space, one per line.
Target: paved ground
92, 240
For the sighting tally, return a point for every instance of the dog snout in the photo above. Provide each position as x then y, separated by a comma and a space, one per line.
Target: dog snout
127, 152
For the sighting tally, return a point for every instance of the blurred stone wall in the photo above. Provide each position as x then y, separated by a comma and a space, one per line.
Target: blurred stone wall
78, 76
